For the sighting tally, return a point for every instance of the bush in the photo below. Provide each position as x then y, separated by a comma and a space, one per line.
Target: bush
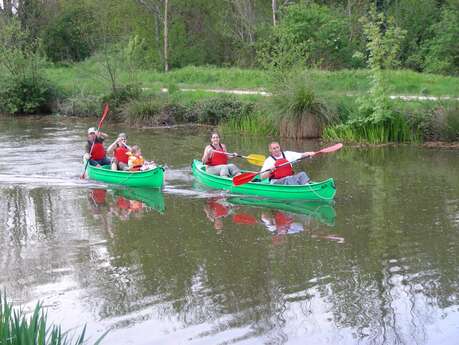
212, 111
123, 94
26, 95
298, 111
312, 35
151, 111
24, 89
438, 123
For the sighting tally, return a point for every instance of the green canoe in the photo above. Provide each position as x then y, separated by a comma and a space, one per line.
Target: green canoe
324, 190
153, 178
320, 211
151, 197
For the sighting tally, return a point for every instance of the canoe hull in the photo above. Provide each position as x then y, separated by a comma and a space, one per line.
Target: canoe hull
324, 190
150, 178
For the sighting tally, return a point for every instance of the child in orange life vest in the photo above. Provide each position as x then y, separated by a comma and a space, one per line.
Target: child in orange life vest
136, 161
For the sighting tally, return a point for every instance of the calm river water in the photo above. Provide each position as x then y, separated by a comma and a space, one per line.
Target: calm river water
193, 266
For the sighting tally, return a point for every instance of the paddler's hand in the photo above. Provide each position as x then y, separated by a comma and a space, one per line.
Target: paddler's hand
234, 154
308, 154
86, 156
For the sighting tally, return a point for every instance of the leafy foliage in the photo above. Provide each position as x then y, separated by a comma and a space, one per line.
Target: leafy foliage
442, 50
310, 35
70, 36
24, 88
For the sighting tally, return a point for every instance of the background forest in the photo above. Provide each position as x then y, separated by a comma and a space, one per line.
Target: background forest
66, 56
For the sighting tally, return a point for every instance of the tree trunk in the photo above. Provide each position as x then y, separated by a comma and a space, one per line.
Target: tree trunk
7, 8
166, 57
274, 7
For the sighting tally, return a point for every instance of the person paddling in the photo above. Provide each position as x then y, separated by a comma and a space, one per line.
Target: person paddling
216, 158
284, 174
120, 150
95, 150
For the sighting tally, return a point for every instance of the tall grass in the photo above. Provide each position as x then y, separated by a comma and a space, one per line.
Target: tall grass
254, 124
17, 329
395, 130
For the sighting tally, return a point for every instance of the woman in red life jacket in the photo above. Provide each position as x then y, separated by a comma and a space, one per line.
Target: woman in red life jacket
95, 150
284, 174
216, 158
120, 149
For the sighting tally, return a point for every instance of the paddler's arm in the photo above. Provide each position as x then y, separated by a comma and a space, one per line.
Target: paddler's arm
207, 153
267, 165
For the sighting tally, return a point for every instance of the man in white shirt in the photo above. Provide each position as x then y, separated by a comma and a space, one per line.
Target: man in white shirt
281, 173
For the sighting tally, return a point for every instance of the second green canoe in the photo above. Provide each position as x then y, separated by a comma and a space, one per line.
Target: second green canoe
324, 190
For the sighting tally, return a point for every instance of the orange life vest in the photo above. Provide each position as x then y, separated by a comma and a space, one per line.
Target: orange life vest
120, 154
217, 157
98, 151
284, 171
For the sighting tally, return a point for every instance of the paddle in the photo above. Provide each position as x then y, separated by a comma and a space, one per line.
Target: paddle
249, 176
99, 126
252, 158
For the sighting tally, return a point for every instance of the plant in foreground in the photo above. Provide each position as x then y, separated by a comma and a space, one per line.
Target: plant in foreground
17, 329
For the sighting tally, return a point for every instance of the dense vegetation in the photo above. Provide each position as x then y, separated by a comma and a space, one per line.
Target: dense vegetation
331, 65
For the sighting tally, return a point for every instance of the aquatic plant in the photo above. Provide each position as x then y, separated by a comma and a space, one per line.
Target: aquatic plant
17, 329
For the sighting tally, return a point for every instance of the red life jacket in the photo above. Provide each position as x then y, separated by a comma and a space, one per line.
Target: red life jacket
98, 151
218, 210
283, 221
120, 154
217, 157
284, 171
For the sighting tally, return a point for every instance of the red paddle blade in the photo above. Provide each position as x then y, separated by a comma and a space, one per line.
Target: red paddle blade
243, 218
243, 178
332, 148
104, 114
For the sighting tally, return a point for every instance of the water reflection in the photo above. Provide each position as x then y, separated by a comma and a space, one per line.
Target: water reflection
382, 269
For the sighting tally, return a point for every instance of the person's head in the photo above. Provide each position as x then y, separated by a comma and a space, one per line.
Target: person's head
215, 138
135, 150
91, 133
122, 138
275, 149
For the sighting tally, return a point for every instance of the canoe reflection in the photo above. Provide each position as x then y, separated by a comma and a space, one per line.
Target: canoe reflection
125, 203
321, 212
279, 218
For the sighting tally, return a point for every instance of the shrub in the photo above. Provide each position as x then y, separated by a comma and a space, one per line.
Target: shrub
311, 34
123, 94
150, 111
212, 111
26, 95
24, 89
298, 111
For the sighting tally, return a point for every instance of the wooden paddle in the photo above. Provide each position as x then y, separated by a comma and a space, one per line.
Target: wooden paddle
99, 126
252, 158
249, 176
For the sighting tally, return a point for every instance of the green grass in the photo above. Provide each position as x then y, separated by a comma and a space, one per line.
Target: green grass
17, 329
89, 76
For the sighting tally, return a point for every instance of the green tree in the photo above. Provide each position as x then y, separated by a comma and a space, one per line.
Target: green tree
442, 50
70, 36
309, 35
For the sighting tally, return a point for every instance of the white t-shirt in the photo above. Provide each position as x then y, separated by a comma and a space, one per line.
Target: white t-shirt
289, 155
